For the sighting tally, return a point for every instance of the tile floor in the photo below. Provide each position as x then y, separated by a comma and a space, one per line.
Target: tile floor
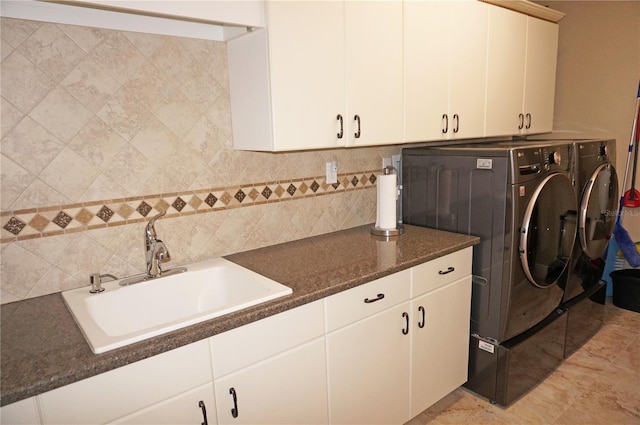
598, 384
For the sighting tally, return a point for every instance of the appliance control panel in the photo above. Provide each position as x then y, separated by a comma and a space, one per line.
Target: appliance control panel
557, 157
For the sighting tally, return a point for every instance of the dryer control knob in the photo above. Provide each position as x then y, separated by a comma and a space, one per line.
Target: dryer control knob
555, 158
603, 150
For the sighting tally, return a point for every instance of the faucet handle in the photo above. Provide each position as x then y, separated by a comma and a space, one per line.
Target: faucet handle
163, 256
96, 282
150, 230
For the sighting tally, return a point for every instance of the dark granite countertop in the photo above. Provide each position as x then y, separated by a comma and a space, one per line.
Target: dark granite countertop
42, 348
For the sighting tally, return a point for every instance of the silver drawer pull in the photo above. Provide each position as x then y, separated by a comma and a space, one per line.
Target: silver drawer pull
372, 300
449, 270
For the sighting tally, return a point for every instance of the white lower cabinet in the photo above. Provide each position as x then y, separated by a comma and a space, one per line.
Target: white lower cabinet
192, 407
273, 370
134, 388
23, 412
440, 343
290, 388
397, 345
440, 312
379, 353
368, 370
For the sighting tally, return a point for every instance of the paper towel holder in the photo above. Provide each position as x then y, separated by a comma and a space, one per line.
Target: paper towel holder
399, 229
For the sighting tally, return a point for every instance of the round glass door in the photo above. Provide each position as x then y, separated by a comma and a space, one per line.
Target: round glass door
598, 211
548, 230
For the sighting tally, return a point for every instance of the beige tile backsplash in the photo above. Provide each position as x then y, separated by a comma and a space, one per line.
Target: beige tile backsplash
102, 129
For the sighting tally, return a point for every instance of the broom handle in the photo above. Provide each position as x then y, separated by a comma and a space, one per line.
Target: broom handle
631, 143
632, 194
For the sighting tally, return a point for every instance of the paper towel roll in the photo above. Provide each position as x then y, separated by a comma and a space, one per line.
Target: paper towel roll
387, 197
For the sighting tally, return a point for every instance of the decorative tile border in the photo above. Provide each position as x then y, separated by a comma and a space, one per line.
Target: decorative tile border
50, 221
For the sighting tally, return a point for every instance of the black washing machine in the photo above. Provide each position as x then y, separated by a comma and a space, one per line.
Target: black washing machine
596, 185
518, 198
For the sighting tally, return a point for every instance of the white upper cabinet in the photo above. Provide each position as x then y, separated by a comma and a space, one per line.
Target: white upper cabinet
287, 82
322, 74
209, 20
540, 76
235, 12
505, 76
445, 46
374, 72
521, 74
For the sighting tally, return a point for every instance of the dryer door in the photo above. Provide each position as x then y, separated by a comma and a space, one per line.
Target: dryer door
547, 235
597, 211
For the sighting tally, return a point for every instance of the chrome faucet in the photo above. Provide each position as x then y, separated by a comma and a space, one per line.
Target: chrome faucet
156, 251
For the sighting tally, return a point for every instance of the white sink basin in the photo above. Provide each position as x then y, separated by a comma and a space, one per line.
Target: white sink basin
122, 315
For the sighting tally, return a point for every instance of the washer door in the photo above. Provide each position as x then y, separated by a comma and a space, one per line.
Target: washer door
546, 232
597, 211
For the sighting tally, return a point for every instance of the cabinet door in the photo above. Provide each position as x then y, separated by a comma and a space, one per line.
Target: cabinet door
368, 370
374, 71
440, 343
505, 72
290, 388
306, 54
426, 69
540, 80
467, 69
286, 82
193, 407
444, 69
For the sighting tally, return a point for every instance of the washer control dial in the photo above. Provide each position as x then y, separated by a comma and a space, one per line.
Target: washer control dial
555, 158
603, 151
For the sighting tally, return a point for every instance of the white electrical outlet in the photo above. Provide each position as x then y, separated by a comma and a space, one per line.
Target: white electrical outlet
332, 172
386, 162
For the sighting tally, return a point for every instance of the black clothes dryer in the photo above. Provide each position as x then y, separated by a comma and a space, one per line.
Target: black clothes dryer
517, 198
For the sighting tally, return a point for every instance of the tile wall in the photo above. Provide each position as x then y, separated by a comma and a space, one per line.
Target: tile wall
102, 129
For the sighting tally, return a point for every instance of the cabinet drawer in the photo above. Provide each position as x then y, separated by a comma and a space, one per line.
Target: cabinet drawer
243, 346
181, 409
21, 412
441, 271
110, 395
365, 300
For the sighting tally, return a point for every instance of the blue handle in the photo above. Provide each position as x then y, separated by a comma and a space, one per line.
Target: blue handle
638, 89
